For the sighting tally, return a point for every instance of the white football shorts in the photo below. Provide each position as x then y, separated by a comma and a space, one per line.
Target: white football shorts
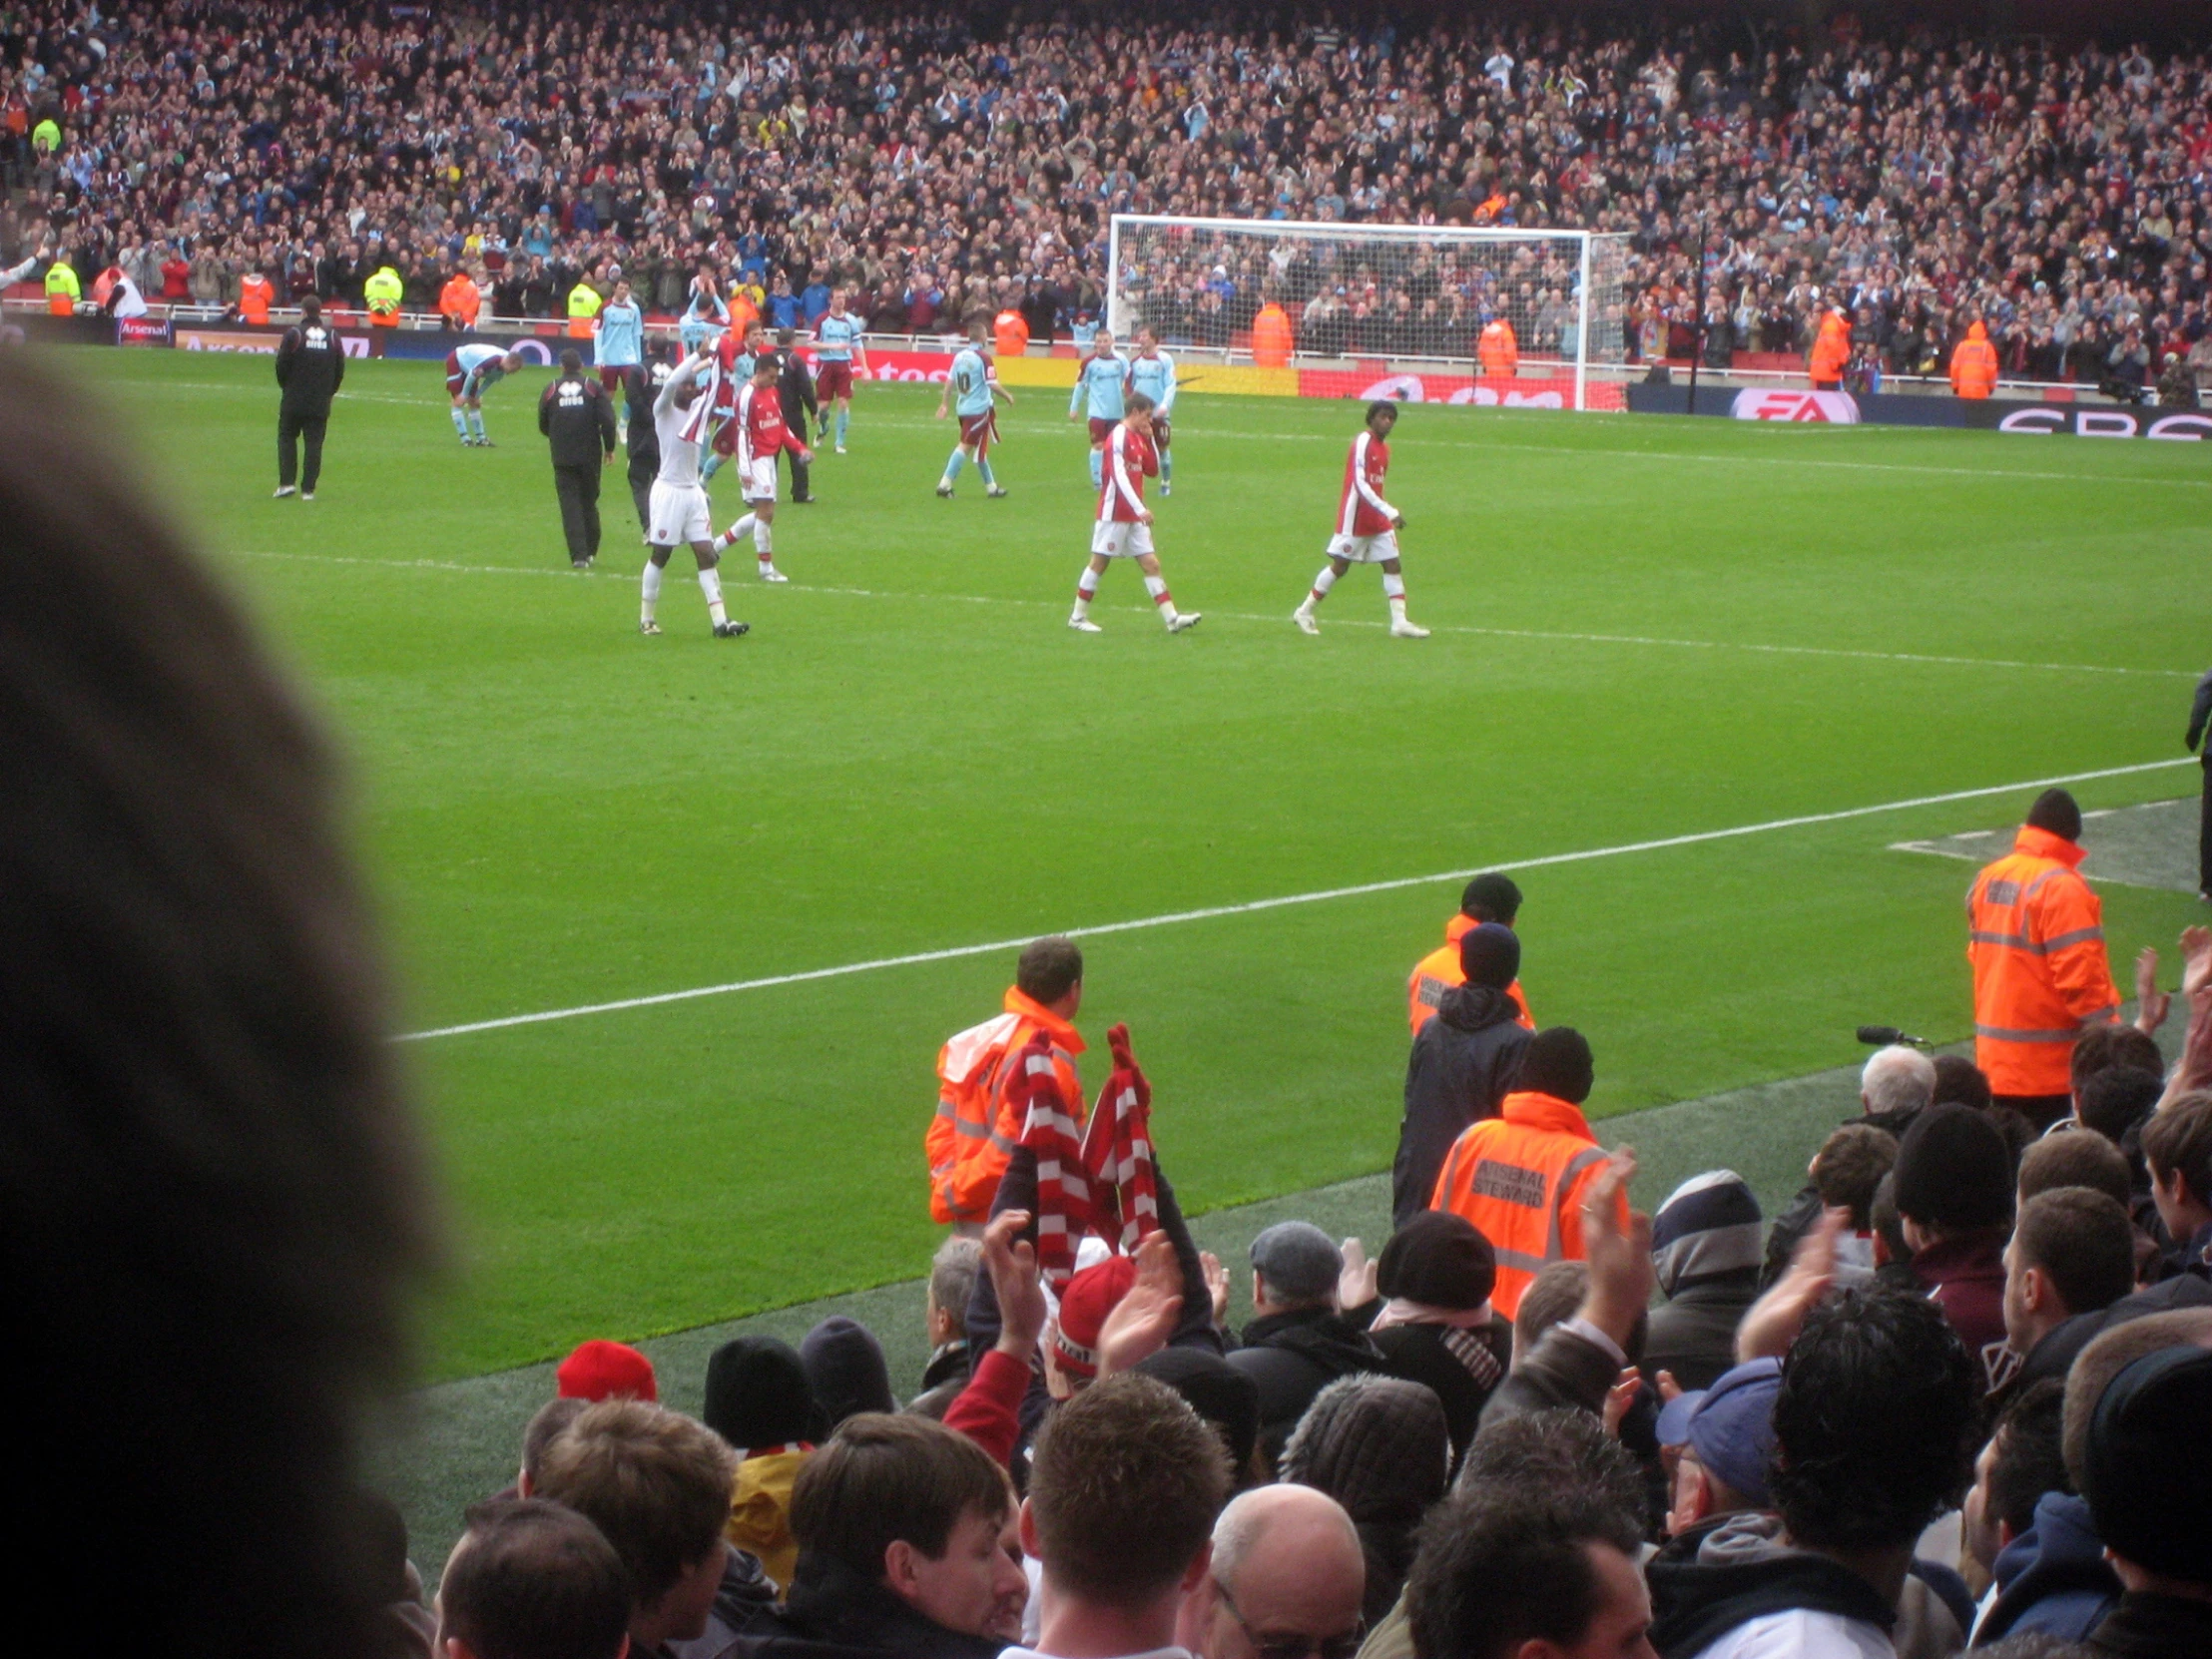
760, 479
1365, 550
1120, 541
679, 513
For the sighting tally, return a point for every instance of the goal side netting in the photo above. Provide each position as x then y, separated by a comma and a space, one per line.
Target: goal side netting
1417, 295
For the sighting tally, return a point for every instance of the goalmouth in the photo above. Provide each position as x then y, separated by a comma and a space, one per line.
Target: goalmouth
1419, 295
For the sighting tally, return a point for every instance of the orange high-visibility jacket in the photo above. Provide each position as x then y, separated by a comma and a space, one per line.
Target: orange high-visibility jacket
1497, 349
1830, 349
255, 294
2036, 942
460, 300
1520, 1177
975, 1130
1973, 366
1010, 333
1438, 971
1271, 338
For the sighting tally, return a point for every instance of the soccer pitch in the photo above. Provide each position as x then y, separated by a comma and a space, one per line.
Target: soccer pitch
1647, 631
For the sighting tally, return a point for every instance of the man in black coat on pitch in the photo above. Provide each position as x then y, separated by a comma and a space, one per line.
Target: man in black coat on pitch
576, 413
310, 366
795, 389
1463, 1064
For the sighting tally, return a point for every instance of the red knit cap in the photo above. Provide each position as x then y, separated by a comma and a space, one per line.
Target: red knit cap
600, 1370
1091, 1294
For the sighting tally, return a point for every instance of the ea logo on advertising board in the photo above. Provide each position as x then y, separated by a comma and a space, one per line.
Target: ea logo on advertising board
2107, 423
1831, 408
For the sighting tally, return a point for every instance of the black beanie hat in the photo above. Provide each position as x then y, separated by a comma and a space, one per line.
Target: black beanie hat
845, 1367
1217, 1391
1438, 1259
2148, 1462
1954, 1170
1557, 1062
2056, 811
758, 1395
1489, 955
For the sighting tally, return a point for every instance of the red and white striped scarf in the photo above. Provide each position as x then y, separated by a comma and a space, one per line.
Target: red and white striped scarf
1097, 1180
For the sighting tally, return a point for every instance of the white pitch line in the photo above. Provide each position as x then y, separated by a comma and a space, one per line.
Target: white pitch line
1252, 907
1651, 641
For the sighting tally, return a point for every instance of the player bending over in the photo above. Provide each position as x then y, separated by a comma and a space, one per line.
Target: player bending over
679, 503
839, 351
736, 358
761, 436
1367, 527
1099, 387
1152, 371
975, 389
469, 371
1124, 526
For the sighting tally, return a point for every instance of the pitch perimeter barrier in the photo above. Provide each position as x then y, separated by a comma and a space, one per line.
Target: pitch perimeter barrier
1798, 406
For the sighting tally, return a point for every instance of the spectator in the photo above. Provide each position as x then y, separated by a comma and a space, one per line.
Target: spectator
2072, 1252
1726, 1439
1463, 1062
2040, 971
2116, 1100
2025, 1525
2134, 1443
1954, 1201
1125, 1483
1896, 1085
2177, 1144
1285, 1574
1705, 1249
1539, 1161
846, 1369
1378, 1445
1845, 1174
2075, 1160
544, 1427
598, 1369
1298, 1341
218, 1211
657, 1485
1959, 1079
944, 1315
533, 1580
1871, 1424
1500, 1571
907, 1545
1436, 1326
759, 1399
1224, 1395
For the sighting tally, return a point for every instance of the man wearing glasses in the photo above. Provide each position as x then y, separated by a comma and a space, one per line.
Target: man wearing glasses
1286, 1582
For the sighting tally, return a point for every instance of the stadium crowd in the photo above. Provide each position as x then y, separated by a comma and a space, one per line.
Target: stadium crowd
946, 171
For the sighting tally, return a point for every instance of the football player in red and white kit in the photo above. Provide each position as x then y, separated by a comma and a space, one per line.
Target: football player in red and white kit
761, 436
1123, 529
1367, 527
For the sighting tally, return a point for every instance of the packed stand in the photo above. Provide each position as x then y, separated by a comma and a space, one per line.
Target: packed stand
1919, 182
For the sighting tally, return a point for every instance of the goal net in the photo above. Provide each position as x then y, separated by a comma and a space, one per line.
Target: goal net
1419, 295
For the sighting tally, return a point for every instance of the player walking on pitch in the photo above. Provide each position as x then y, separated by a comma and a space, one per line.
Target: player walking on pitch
974, 390
837, 343
470, 371
1367, 527
679, 503
761, 437
1100, 386
1152, 371
1123, 529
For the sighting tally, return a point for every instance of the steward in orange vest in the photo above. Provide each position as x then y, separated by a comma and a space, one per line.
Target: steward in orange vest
1498, 351
255, 294
1521, 1177
460, 301
975, 1131
1831, 352
1973, 366
1493, 897
2040, 977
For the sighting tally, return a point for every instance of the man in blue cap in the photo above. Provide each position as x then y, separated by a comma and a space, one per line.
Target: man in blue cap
1725, 1438
1463, 1064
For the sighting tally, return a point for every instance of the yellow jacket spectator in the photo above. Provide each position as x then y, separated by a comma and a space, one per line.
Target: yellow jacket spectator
382, 293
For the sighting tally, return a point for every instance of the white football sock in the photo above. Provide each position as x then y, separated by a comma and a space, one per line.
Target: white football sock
650, 591
1086, 589
1157, 587
735, 533
710, 584
1394, 589
1321, 584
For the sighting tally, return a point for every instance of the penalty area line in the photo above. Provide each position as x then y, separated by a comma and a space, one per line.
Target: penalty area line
1256, 905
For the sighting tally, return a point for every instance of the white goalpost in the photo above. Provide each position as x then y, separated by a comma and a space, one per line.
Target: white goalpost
1417, 294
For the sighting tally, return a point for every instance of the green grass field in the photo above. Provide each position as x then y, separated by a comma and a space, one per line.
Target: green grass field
1645, 629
